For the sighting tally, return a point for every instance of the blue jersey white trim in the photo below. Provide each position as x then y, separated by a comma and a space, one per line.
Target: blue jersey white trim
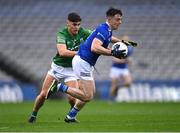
104, 34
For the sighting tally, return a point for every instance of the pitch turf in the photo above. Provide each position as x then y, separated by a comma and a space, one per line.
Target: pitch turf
97, 116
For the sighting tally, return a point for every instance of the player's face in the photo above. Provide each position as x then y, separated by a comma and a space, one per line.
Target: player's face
73, 27
115, 21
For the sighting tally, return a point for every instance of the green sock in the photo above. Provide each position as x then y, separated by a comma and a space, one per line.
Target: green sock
34, 114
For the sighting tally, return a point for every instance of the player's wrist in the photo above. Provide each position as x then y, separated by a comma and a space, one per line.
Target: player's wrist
75, 52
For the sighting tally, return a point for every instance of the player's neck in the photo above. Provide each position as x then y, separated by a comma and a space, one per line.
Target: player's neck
108, 25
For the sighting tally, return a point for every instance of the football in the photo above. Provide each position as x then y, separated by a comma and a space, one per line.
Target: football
120, 46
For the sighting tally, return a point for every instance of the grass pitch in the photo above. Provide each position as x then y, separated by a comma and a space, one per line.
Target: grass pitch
96, 116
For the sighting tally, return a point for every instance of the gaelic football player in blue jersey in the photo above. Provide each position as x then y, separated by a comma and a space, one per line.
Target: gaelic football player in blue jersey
84, 61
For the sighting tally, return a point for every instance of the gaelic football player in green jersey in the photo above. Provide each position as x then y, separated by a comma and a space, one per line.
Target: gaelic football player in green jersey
68, 40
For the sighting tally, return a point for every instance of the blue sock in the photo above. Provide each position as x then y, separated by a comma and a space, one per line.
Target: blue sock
62, 87
73, 112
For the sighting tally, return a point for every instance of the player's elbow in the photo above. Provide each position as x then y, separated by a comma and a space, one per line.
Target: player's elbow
96, 45
93, 49
62, 53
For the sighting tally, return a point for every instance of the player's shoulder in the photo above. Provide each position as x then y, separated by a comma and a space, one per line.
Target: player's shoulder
62, 31
103, 29
85, 30
103, 26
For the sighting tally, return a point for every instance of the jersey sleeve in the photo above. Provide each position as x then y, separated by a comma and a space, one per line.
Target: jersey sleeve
102, 34
86, 32
60, 39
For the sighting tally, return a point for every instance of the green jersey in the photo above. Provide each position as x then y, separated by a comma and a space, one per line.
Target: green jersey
72, 43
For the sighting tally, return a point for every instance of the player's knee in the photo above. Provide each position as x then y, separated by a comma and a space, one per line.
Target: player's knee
128, 84
88, 98
42, 95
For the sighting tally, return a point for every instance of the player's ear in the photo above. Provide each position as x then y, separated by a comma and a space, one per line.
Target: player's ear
109, 18
67, 22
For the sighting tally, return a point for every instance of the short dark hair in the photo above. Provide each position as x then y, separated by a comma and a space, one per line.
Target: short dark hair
112, 11
74, 17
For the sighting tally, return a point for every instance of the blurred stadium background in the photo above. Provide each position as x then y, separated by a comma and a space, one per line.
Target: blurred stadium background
27, 44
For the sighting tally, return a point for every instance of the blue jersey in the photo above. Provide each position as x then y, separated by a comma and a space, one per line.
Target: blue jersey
125, 64
103, 33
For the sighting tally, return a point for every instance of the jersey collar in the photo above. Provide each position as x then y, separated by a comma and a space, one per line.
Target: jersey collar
109, 28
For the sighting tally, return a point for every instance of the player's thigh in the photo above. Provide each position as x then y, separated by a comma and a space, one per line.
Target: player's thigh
84, 72
47, 83
127, 79
114, 81
72, 84
88, 87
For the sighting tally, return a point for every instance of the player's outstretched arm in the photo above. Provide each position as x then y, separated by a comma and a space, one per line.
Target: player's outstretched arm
127, 42
130, 43
115, 39
63, 51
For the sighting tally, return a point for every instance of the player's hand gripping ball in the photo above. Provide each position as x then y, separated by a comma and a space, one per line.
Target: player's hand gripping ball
119, 50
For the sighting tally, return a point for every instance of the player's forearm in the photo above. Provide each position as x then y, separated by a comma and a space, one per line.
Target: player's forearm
117, 60
101, 50
68, 53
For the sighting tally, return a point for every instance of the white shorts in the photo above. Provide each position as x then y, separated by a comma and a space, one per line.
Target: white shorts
82, 69
60, 72
118, 72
